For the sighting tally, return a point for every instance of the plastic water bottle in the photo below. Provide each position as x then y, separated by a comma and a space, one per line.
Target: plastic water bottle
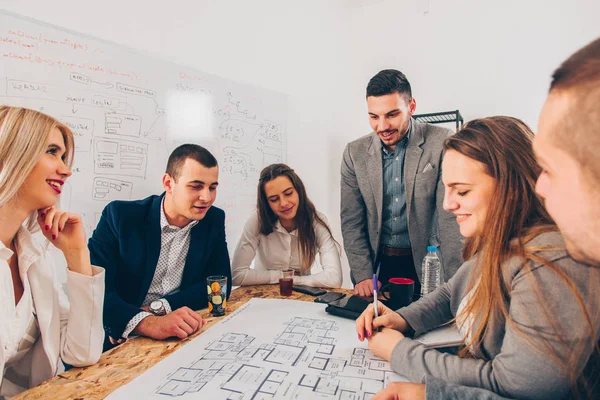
431, 277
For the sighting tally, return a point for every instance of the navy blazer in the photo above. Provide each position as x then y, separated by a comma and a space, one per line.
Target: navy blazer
126, 243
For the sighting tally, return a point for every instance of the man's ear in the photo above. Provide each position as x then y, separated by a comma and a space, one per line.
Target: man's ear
168, 182
412, 106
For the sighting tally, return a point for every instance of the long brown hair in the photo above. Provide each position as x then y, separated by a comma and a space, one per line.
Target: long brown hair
516, 215
304, 219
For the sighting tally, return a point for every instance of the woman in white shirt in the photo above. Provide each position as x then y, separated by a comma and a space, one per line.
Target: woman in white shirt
285, 232
38, 326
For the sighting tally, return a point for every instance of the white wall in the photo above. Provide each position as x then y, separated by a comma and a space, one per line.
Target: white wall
483, 57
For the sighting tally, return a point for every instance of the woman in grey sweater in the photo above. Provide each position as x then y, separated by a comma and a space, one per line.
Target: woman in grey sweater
528, 312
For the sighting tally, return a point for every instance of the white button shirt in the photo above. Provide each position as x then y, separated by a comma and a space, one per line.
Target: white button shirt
279, 251
19, 329
71, 331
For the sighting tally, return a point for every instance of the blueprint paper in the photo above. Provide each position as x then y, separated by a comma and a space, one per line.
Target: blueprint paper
268, 349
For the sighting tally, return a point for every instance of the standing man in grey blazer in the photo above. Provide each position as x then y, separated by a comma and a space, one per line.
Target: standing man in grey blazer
392, 193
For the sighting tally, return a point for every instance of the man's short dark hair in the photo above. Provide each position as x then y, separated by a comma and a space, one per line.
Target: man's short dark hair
185, 151
389, 81
579, 78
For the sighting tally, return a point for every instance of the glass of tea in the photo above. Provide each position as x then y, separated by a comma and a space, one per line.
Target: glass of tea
286, 282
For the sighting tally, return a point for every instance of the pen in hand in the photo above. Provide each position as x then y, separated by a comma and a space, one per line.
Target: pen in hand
375, 284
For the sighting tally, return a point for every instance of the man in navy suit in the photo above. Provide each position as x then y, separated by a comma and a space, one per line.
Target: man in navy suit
157, 252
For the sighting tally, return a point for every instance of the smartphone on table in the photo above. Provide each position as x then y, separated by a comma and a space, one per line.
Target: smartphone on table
313, 291
329, 297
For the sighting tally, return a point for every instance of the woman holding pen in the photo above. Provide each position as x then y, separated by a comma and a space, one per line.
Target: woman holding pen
39, 325
528, 313
285, 232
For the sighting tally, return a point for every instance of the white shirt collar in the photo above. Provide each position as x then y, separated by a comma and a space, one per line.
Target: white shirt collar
279, 228
5, 252
27, 248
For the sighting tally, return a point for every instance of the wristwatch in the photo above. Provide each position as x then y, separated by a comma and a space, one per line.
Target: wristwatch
157, 307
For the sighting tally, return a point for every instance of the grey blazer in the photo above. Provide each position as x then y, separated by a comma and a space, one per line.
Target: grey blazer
362, 199
512, 362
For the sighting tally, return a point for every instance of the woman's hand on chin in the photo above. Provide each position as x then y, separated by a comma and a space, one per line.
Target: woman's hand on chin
65, 231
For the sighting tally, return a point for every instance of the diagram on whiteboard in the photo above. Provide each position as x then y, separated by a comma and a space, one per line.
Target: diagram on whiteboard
304, 356
128, 112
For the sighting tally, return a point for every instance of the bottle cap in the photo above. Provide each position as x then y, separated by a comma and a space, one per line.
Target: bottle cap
432, 249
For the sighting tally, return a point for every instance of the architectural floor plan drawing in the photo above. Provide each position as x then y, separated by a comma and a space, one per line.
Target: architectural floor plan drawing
268, 349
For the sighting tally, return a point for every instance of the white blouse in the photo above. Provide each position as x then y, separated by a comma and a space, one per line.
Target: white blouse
44, 327
279, 251
19, 328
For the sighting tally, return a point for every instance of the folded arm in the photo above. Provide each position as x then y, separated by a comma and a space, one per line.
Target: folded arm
244, 254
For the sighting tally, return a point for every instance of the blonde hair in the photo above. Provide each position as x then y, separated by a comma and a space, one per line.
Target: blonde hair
24, 135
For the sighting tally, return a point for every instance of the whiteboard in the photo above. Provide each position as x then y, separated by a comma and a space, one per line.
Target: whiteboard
128, 111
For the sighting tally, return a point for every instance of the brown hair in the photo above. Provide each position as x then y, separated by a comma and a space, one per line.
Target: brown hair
515, 216
304, 219
579, 78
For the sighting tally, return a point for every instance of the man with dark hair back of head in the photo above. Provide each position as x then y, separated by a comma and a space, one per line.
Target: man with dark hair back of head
159, 251
567, 146
391, 191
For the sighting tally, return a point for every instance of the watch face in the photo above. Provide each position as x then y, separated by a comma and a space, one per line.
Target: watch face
156, 305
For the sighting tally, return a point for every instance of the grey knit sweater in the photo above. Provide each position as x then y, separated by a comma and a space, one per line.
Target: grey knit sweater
510, 362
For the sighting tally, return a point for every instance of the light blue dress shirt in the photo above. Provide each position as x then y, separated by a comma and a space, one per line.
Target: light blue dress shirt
394, 230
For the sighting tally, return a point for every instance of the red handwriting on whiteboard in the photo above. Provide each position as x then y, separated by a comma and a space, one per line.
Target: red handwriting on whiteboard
34, 59
19, 43
44, 40
192, 77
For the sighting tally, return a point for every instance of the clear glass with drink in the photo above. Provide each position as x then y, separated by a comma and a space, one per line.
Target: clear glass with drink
217, 292
286, 282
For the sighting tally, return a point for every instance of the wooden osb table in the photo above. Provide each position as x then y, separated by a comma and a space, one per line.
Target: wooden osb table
129, 360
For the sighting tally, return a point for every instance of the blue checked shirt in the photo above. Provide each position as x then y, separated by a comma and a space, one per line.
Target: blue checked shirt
394, 230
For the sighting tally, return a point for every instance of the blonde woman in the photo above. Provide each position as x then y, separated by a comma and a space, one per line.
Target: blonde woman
285, 232
39, 325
